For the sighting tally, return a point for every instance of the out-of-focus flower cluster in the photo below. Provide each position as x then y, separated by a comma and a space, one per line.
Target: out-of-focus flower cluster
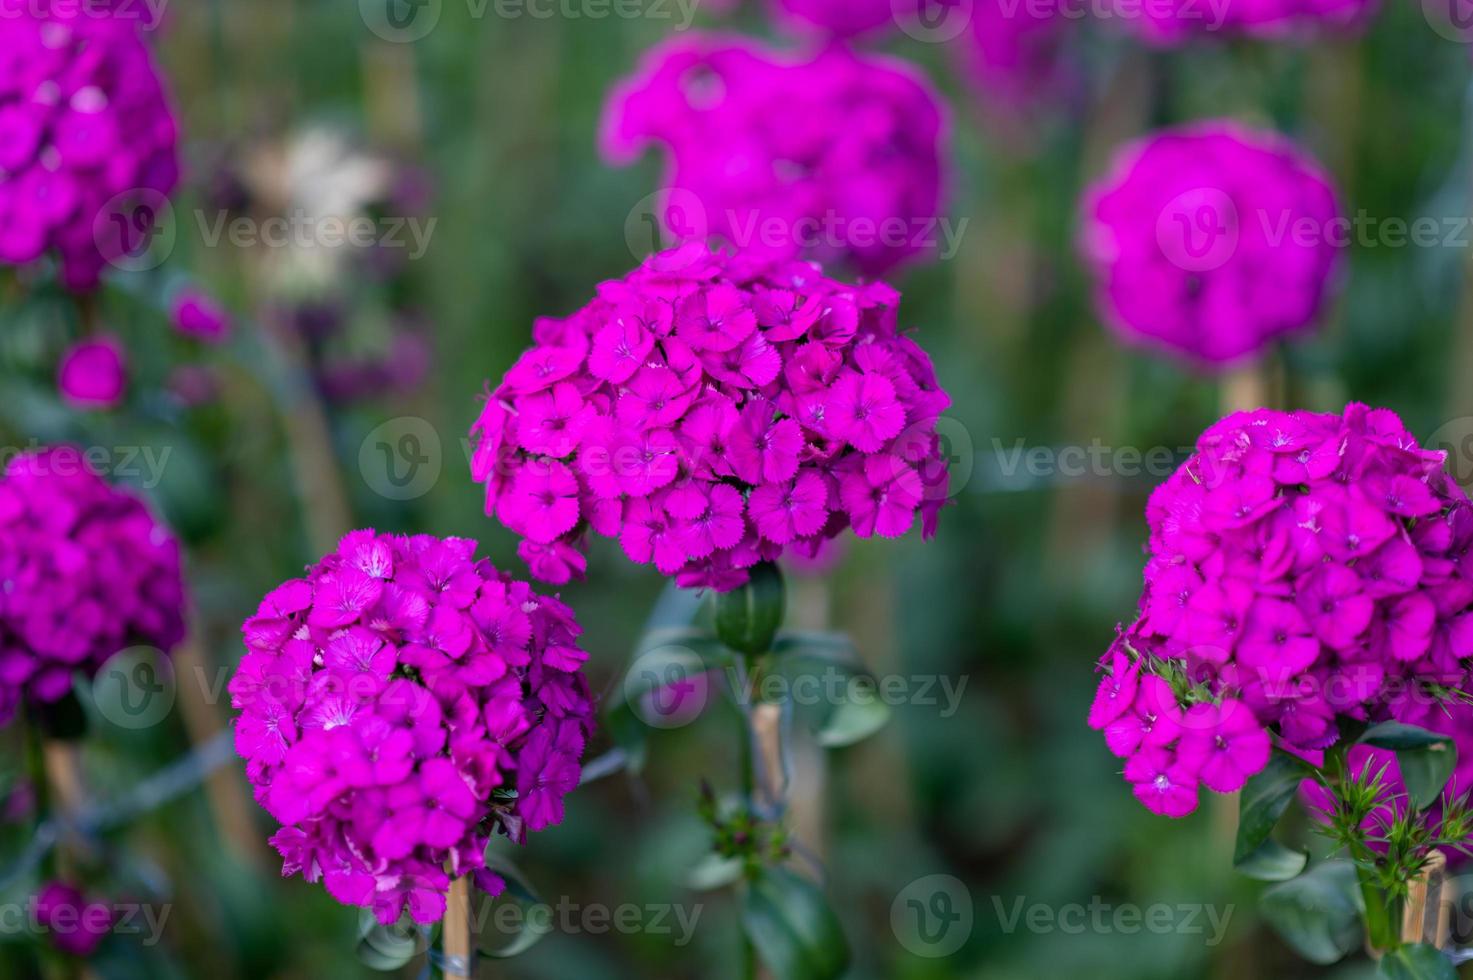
72, 924
1269, 20
1304, 569
1211, 240
85, 572
88, 144
832, 155
399, 705
709, 412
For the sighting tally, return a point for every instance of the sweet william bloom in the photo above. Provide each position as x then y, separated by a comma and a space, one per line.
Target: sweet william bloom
832, 156
700, 469
70, 922
398, 706
1197, 241
88, 143
197, 316
1304, 570
1176, 23
85, 572
93, 374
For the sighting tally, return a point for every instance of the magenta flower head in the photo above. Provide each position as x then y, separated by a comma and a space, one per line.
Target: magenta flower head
1014, 51
85, 572
93, 374
88, 144
710, 412
70, 922
1181, 21
1303, 570
833, 155
841, 18
399, 705
196, 315
1211, 240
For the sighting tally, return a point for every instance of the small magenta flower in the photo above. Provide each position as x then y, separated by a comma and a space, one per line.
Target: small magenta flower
831, 156
1182, 21
400, 705
1303, 569
71, 923
93, 374
88, 143
770, 408
1211, 240
85, 572
197, 316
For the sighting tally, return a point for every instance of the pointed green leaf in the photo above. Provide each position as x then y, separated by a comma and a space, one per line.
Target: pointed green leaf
853, 721
1416, 962
1397, 736
1272, 862
1264, 799
796, 933
1318, 913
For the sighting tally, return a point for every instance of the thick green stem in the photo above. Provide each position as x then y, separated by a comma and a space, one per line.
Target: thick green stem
1383, 914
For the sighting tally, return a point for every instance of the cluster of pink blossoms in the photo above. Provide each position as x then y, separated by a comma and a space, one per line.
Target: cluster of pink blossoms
1211, 240
85, 572
399, 705
1303, 569
88, 144
710, 411
70, 922
828, 156
1186, 20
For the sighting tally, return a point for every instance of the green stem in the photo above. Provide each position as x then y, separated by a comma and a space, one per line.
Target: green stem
1383, 913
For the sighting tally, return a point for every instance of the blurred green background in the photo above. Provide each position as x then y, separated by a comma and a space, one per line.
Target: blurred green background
492, 120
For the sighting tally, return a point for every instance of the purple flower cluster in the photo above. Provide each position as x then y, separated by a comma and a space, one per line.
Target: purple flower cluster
842, 18
709, 412
93, 373
88, 144
1211, 240
399, 705
1303, 568
833, 155
71, 923
1014, 52
85, 572
1271, 20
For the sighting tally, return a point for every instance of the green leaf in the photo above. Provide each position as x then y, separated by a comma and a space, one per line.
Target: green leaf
748, 618
1272, 862
387, 948
1417, 961
1318, 913
1397, 736
796, 934
530, 924
853, 721
714, 871
1264, 799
